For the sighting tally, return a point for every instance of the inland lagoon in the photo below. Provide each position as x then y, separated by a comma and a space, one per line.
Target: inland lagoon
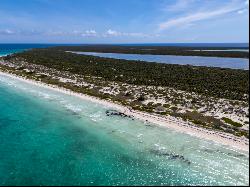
222, 62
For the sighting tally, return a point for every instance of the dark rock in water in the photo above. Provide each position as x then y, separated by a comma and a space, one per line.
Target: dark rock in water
149, 125
165, 154
209, 150
113, 131
188, 162
73, 113
170, 156
236, 155
182, 157
219, 151
116, 113
174, 157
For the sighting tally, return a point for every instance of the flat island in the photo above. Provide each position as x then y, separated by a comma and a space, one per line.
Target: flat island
235, 52
211, 103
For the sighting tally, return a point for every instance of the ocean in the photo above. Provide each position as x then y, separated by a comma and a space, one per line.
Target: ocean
6, 49
50, 138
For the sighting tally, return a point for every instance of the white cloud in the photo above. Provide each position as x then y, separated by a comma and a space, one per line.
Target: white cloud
108, 33
7, 32
136, 34
179, 5
89, 33
77, 33
200, 16
21, 32
112, 33
55, 33
242, 11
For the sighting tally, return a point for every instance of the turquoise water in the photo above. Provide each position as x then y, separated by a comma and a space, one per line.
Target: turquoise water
10, 51
6, 49
233, 63
49, 138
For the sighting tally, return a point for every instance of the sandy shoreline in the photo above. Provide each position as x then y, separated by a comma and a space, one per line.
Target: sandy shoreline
169, 122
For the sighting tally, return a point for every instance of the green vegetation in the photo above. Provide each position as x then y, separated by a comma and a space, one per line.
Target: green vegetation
201, 120
215, 82
210, 122
158, 50
231, 122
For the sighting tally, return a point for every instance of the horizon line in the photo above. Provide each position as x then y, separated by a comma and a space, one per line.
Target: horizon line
127, 43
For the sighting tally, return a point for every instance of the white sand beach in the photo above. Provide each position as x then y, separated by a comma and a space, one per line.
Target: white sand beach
168, 121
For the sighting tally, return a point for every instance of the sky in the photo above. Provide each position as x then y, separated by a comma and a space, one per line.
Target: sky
124, 21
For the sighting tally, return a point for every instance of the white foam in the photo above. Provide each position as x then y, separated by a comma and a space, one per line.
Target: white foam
139, 135
73, 108
96, 116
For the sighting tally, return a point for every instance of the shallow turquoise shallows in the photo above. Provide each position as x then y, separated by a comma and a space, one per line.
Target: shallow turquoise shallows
49, 138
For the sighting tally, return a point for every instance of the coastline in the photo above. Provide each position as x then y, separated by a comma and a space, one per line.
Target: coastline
168, 122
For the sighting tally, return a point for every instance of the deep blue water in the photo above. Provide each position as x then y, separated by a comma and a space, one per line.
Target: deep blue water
6, 49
